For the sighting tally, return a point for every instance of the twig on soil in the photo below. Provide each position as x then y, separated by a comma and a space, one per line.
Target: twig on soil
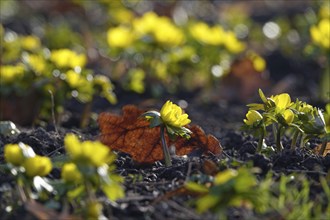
53, 111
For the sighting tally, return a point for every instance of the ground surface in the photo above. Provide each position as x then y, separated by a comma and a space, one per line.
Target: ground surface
146, 185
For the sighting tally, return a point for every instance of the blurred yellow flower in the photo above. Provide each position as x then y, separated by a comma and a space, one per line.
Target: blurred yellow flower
87, 152
106, 88
11, 73
30, 42
207, 35
37, 166
36, 62
120, 36
136, 83
324, 11
232, 43
172, 115
252, 117
161, 27
167, 33
94, 210
65, 58
70, 173
74, 79
320, 33
13, 154
146, 24
259, 64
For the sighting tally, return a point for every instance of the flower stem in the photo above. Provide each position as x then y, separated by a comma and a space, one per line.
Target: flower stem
294, 140
279, 145
166, 151
261, 140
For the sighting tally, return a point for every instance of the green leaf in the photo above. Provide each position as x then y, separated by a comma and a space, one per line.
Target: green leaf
76, 192
113, 191
207, 202
196, 187
262, 96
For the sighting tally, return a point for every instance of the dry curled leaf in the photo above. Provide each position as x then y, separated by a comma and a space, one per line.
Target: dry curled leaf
318, 148
131, 134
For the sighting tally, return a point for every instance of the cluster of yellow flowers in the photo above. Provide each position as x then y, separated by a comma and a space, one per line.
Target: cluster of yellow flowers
216, 36
160, 28
279, 104
165, 32
65, 58
21, 155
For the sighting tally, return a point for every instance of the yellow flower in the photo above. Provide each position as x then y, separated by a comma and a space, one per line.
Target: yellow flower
74, 79
259, 64
232, 43
252, 117
136, 83
65, 58
10, 74
288, 116
70, 173
171, 114
167, 33
104, 85
282, 101
321, 33
37, 166
13, 154
121, 37
146, 24
207, 35
30, 42
36, 62
87, 152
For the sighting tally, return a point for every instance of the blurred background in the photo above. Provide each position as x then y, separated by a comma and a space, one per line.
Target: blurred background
212, 50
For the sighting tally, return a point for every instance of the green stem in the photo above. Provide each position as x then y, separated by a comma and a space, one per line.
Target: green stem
86, 114
294, 139
261, 141
279, 145
166, 151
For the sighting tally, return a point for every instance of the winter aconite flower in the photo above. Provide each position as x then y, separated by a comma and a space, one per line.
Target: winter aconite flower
65, 58
37, 166
171, 118
13, 154
121, 37
282, 101
321, 33
288, 116
70, 173
87, 152
252, 117
172, 115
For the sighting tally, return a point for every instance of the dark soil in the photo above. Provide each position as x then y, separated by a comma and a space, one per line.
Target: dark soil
147, 187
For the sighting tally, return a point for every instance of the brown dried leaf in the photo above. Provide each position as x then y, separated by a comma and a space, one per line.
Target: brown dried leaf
317, 149
131, 134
